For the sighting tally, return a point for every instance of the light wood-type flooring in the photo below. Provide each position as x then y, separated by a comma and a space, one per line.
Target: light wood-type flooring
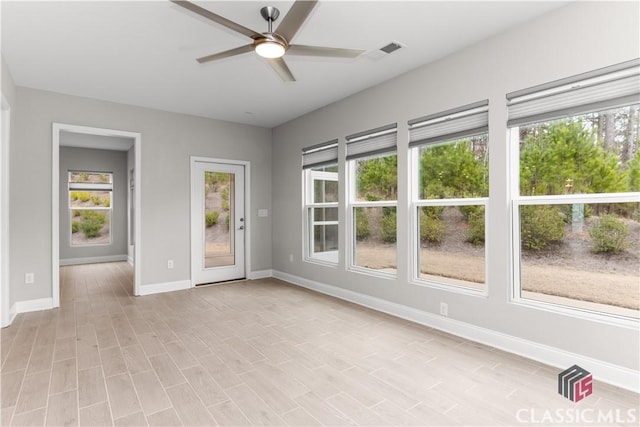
263, 352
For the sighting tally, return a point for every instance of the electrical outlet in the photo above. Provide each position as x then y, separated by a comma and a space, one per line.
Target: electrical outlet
170, 264
444, 309
29, 278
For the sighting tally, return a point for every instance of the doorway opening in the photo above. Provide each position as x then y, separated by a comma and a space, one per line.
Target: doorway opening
82, 209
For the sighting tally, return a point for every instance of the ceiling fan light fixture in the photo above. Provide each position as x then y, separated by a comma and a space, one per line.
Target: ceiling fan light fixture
270, 48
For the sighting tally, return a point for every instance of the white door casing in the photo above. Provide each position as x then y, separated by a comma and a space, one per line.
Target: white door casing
218, 251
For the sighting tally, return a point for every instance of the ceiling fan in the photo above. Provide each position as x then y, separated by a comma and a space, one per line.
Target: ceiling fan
272, 45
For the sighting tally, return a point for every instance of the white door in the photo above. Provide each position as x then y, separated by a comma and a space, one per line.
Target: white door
217, 222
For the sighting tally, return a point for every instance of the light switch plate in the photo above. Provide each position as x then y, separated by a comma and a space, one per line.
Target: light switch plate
263, 212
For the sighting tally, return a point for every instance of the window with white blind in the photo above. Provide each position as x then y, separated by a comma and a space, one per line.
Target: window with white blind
372, 193
450, 188
90, 207
576, 192
319, 163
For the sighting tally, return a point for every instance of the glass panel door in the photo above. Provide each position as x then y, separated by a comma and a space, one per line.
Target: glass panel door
219, 224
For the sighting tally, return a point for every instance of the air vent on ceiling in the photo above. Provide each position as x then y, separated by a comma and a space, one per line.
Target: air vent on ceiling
391, 47
384, 51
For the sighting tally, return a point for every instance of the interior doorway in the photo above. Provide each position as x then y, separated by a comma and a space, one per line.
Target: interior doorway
65, 135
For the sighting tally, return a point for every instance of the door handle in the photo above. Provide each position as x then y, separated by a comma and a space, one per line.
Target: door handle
241, 227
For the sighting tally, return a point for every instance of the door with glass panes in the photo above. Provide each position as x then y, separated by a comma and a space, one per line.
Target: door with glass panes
217, 222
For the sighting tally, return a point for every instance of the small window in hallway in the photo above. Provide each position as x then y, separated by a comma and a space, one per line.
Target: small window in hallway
90, 207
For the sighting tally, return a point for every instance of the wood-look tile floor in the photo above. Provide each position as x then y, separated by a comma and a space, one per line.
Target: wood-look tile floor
260, 353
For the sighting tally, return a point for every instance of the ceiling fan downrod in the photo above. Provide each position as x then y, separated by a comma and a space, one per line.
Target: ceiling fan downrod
270, 14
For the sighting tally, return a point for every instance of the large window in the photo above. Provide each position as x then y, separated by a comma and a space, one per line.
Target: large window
576, 202
90, 207
321, 202
373, 187
449, 153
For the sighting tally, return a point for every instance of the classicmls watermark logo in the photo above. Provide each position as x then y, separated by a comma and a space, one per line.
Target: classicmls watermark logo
575, 383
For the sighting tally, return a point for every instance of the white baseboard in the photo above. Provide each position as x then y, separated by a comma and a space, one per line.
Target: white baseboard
130, 261
10, 317
158, 288
602, 371
260, 274
93, 260
31, 305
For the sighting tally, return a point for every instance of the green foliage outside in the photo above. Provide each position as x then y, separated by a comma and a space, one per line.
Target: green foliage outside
609, 235
565, 158
225, 198
377, 178
211, 218
387, 229
362, 225
475, 231
91, 223
540, 226
432, 226
634, 172
453, 170
83, 196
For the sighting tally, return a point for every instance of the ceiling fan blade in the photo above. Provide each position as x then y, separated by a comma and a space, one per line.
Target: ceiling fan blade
280, 67
217, 18
227, 53
302, 50
295, 18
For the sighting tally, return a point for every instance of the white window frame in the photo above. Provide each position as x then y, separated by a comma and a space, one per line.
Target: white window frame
436, 281
603, 89
76, 186
517, 201
446, 127
351, 227
416, 203
326, 257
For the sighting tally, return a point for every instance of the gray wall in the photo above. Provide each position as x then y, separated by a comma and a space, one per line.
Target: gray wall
7, 85
85, 159
168, 141
577, 38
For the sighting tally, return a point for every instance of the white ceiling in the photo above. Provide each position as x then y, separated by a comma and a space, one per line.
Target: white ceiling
143, 53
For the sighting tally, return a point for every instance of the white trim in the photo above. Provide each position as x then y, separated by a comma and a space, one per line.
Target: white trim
130, 260
55, 199
159, 288
93, 260
602, 371
13, 312
259, 274
6, 318
33, 305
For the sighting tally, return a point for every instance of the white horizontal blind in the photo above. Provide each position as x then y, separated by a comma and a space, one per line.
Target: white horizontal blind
90, 186
320, 155
457, 123
597, 90
375, 141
